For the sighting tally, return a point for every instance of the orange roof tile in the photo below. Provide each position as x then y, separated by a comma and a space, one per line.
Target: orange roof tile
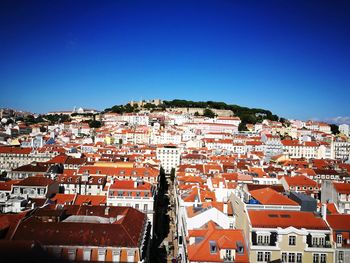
342, 188
268, 196
222, 238
90, 200
285, 219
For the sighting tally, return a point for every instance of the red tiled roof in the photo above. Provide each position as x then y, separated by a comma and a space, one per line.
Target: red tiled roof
119, 171
7, 186
332, 209
290, 142
300, 180
130, 185
285, 219
63, 199
126, 232
15, 150
59, 159
90, 200
223, 239
339, 222
268, 196
342, 188
35, 181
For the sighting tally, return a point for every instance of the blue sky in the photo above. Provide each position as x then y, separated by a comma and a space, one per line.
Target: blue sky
291, 57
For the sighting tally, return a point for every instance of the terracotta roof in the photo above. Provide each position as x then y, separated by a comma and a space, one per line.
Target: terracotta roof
130, 185
221, 238
307, 171
35, 181
268, 196
90, 200
7, 185
34, 168
120, 171
339, 222
332, 209
342, 188
59, 159
276, 187
290, 142
300, 180
63, 199
326, 172
14, 150
126, 232
285, 219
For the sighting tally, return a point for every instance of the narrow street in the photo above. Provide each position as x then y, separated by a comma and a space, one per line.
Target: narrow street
164, 243
171, 240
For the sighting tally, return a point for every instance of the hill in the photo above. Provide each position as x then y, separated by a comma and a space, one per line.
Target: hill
247, 115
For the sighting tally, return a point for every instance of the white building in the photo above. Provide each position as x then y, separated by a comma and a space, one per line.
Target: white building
169, 157
344, 129
137, 194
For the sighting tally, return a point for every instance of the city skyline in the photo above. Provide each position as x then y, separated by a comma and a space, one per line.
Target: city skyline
290, 58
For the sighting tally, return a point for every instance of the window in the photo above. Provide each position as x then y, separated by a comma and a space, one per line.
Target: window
260, 256
86, 254
145, 206
263, 239
291, 257
292, 240
228, 254
340, 256
267, 256
212, 247
266, 239
299, 258
339, 239
321, 241
101, 255
137, 206
323, 258
315, 258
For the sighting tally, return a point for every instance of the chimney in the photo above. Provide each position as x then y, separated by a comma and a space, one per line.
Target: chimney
135, 184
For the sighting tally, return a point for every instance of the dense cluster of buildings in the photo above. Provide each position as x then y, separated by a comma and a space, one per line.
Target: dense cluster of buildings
278, 191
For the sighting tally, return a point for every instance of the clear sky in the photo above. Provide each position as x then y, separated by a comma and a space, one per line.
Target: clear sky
291, 57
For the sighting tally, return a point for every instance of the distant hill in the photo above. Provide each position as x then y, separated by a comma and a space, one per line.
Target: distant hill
247, 115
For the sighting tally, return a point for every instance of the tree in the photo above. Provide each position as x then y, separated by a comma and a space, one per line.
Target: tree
95, 124
334, 129
196, 114
242, 127
208, 113
149, 106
